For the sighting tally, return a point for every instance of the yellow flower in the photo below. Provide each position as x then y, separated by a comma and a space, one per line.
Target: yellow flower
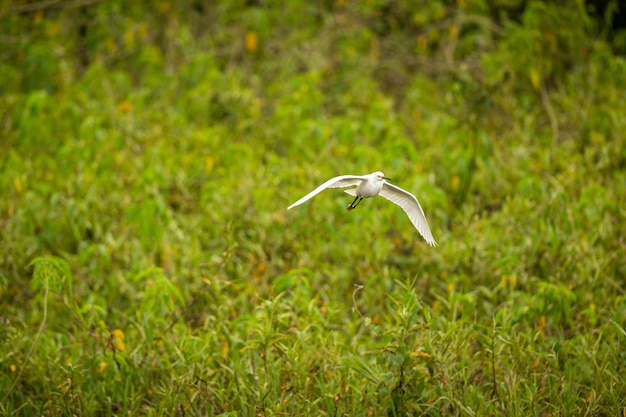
421, 354
252, 41
126, 106
456, 181
118, 335
17, 183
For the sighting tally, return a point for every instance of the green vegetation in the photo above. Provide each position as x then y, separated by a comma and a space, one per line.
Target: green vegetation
148, 265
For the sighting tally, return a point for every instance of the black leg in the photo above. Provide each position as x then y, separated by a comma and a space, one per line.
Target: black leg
351, 205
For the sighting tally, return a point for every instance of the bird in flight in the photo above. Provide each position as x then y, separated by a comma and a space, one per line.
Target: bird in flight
374, 184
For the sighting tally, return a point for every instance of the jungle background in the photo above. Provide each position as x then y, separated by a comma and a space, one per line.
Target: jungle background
148, 153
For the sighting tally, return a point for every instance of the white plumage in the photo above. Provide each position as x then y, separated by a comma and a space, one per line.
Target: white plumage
374, 184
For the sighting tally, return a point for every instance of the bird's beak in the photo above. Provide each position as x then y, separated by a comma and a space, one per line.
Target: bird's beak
387, 178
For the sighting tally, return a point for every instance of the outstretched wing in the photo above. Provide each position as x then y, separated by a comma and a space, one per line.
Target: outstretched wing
411, 207
337, 182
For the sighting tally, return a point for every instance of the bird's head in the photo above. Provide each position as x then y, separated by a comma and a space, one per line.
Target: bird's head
380, 176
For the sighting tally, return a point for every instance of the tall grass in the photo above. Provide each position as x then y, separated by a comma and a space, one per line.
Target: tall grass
149, 265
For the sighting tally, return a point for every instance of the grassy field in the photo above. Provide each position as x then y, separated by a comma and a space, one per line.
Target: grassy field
148, 264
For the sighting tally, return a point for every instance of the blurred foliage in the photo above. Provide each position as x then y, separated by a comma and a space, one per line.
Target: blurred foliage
148, 152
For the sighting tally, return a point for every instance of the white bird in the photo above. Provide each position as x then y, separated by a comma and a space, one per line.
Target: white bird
374, 184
